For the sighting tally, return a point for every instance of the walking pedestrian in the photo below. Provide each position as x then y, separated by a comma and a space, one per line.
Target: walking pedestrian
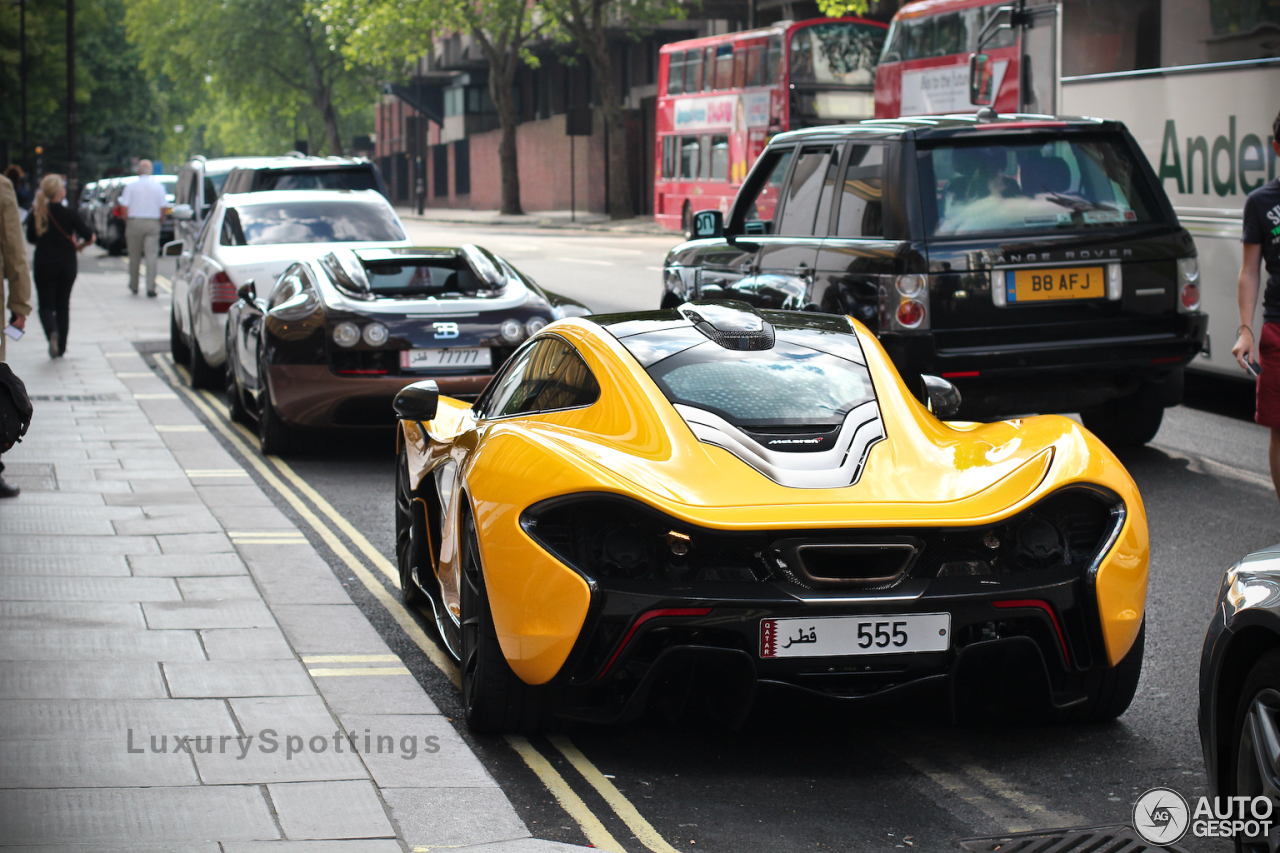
53, 228
13, 269
143, 202
19, 180
1261, 241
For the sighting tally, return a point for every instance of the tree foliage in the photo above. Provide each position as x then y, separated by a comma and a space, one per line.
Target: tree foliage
842, 8
253, 75
117, 104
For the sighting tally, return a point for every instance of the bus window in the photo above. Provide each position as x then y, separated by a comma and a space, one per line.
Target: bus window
675, 73
861, 213
709, 69
839, 53
949, 36
693, 71
668, 156
773, 61
689, 158
739, 69
805, 191
704, 156
755, 66
724, 66
720, 157
759, 212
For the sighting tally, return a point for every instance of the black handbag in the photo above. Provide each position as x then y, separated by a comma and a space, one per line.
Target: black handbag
15, 408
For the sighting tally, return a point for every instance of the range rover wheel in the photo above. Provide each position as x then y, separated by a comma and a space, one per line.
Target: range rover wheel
494, 699
1127, 422
410, 531
1253, 751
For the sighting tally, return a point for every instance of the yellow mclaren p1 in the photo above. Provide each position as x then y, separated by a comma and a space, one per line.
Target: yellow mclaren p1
684, 505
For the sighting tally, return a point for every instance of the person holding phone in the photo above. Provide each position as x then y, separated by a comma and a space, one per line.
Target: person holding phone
59, 234
1261, 356
13, 269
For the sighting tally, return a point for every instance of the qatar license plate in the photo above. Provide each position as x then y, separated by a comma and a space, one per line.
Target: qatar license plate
1041, 285
841, 636
424, 359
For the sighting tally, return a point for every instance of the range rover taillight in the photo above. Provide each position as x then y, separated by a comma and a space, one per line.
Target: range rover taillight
1188, 285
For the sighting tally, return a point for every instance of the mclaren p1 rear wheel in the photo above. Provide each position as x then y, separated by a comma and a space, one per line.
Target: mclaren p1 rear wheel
494, 698
409, 533
1111, 689
1255, 749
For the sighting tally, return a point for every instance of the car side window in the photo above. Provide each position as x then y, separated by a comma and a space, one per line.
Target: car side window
203, 243
763, 205
232, 234
861, 211
811, 184
546, 377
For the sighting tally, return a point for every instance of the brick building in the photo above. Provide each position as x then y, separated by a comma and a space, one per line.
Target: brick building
441, 128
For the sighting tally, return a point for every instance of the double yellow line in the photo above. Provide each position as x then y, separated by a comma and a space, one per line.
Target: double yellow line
280, 476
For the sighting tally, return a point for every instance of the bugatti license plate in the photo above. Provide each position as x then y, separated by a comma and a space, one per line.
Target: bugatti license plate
425, 359
841, 636
1040, 285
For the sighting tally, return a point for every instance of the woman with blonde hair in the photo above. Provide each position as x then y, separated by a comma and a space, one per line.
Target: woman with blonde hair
53, 228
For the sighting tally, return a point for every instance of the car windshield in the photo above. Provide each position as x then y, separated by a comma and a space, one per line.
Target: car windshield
788, 385
1059, 184
315, 179
309, 222
421, 278
840, 54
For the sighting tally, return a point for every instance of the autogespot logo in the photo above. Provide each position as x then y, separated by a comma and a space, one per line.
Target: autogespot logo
1161, 816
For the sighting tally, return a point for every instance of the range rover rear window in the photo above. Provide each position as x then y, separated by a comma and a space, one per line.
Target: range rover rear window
1032, 186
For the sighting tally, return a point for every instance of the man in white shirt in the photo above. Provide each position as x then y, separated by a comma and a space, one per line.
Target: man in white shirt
143, 202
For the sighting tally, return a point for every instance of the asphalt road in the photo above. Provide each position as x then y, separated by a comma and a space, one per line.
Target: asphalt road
802, 775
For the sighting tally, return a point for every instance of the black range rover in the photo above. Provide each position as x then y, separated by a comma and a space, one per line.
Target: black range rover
1032, 261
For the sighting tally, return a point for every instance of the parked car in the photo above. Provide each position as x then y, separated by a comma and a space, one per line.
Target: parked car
299, 172
337, 336
1033, 261
701, 500
101, 213
200, 182
1240, 687
256, 237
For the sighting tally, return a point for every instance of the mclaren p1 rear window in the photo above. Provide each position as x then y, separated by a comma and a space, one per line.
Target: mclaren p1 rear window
788, 385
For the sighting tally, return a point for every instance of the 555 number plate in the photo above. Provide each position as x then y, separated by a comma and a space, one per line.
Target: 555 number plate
842, 636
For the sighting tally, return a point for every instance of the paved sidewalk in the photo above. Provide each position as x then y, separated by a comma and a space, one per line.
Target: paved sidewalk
178, 666
539, 219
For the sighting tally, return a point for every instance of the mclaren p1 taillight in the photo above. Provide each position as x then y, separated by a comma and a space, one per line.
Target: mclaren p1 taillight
222, 293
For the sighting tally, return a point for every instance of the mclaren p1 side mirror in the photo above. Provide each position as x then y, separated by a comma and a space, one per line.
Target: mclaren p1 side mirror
248, 292
417, 402
941, 396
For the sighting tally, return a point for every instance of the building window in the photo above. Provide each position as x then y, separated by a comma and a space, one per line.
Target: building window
669, 157
440, 170
462, 167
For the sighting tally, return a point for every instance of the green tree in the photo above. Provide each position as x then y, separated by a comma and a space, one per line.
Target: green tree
588, 23
269, 65
395, 32
842, 8
116, 110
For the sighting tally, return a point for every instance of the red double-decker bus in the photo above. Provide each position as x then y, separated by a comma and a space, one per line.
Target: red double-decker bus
721, 98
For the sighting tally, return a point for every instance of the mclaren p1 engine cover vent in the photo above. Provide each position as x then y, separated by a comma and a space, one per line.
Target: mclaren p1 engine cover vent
734, 326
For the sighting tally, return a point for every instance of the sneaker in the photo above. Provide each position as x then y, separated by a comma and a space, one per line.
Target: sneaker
7, 490
54, 352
